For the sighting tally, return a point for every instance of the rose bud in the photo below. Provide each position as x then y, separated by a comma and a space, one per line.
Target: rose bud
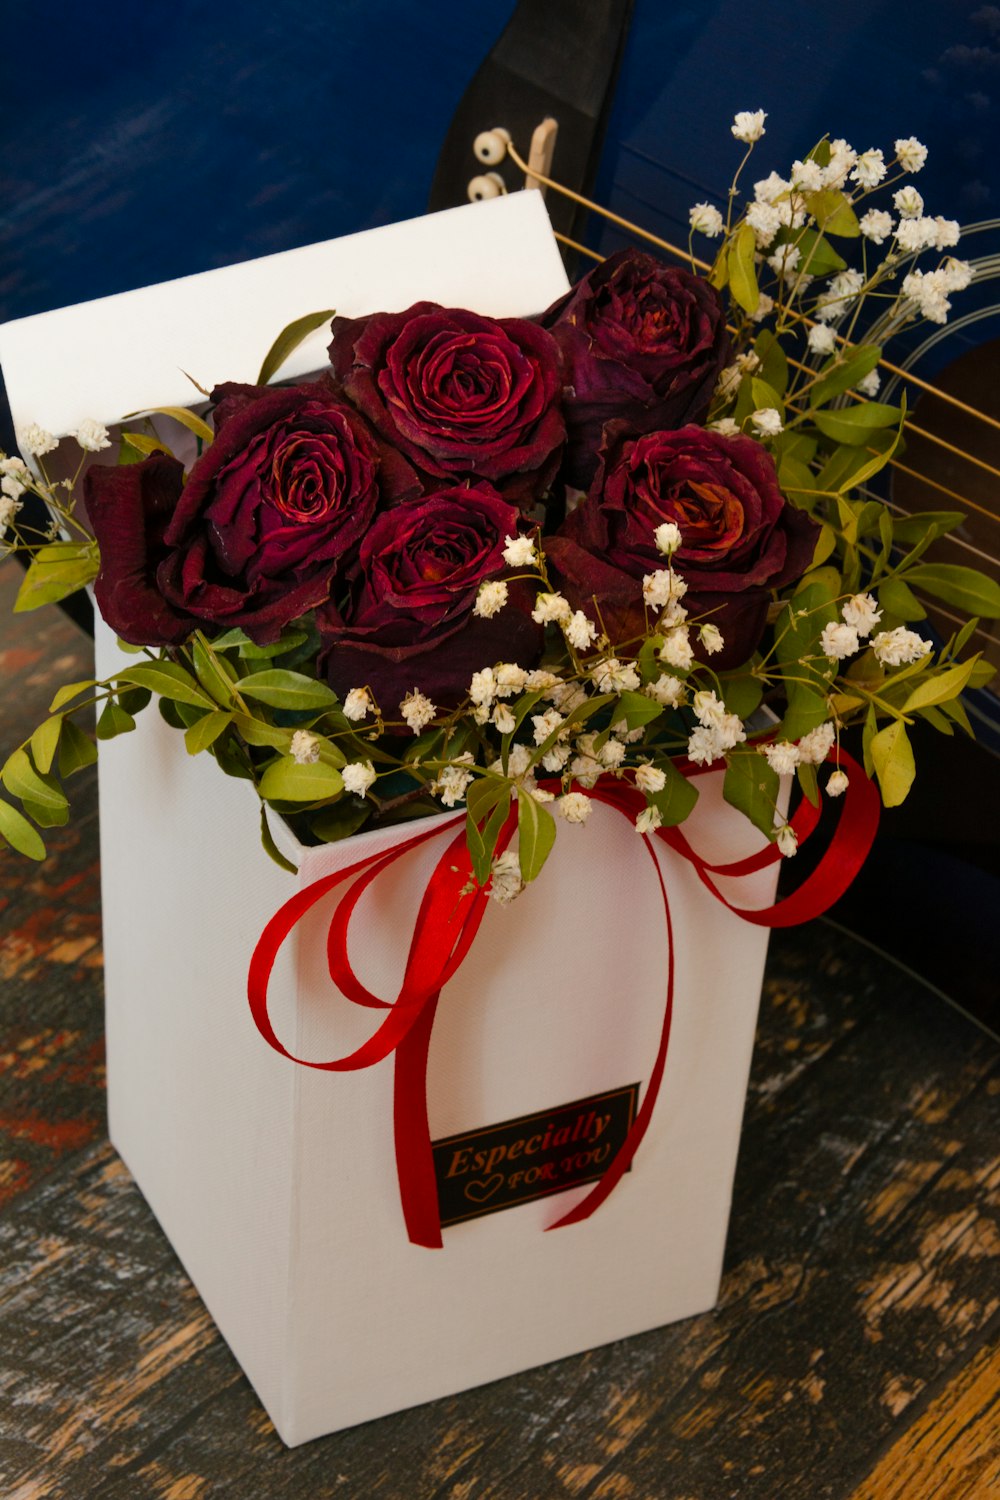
460, 395
409, 621
739, 537
641, 342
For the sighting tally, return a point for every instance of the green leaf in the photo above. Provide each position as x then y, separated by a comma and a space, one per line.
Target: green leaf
843, 371
170, 713
940, 686
484, 794
256, 732
938, 720
179, 414
896, 597
913, 528
741, 693
892, 757
868, 734
854, 425
57, 571
809, 781
752, 788
833, 213
114, 721
288, 341
287, 781
677, 798
206, 731
536, 833
46, 816
168, 680
76, 749
134, 700
211, 673
138, 446
773, 361
764, 396
799, 628
280, 689
70, 690
742, 272
18, 832
636, 709
45, 742
966, 588
271, 848
340, 819
819, 258
288, 641
22, 780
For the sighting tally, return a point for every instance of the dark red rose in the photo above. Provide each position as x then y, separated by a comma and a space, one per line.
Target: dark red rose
129, 509
409, 621
460, 395
275, 507
641, 342
740, 537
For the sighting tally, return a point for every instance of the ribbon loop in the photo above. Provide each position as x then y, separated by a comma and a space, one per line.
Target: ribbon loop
451, 911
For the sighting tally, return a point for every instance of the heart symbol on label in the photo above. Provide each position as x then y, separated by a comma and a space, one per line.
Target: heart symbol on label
481, 1188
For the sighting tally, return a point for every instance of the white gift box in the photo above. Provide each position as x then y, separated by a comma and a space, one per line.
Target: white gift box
275, 1183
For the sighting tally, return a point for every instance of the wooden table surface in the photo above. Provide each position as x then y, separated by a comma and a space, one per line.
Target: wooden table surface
853, 1353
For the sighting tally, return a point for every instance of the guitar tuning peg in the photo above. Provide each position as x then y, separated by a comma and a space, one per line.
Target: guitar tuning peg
490, 185
490, 146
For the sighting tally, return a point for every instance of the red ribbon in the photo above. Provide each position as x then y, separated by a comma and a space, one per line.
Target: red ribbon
447, 922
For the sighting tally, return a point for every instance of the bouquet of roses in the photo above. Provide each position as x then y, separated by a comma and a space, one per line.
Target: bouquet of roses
491, 561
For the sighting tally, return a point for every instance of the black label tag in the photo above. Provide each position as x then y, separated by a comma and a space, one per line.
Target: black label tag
481, 1171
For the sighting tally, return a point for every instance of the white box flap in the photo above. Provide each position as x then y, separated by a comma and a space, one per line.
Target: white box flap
126, 353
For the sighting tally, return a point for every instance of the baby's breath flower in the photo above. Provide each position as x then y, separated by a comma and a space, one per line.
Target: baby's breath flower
839, 295
417, 710
765, 221
706, 219
614, 676
490, 599
92, 436
483, 687
869, 169
863, 613
748, 125
926, 292
711, 638
870, 384
649, 778
574, 807
725, 426
656, 591
837, 784
503, 719
822, 339
787, 841
36, 440
11, 486
358, 776
668, 690
767, 421
454, 780
914, 235
555, 759
956, 274
510, 679
765, 306
770, 188
909, 204
551, 607
9, 508
358, 704
784, 260
781, 757
648, 820
897, 648
704, 746
838, 640
539, 681
807, 175
815, 746
910, 154
506, 882
546, 724
611, 754
667, 538
947, 232
304, 748
579, 631
876, 225
677, 650
519, 551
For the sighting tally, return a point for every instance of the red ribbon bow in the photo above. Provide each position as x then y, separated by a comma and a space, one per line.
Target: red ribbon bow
447, 922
